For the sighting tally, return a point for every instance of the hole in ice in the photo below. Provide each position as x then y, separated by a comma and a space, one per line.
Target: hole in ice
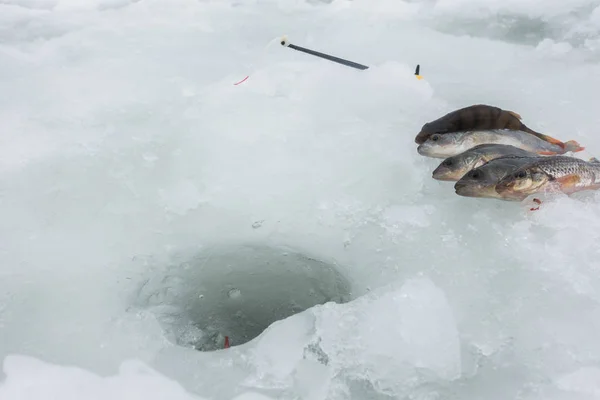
237, 292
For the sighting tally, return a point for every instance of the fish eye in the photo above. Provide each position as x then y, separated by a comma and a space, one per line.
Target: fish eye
521, 174
435, 137
447, 163
475, 174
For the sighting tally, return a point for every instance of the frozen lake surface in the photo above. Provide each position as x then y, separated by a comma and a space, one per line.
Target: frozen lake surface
149, 207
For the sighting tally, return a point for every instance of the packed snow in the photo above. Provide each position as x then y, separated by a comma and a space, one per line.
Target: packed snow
127, 152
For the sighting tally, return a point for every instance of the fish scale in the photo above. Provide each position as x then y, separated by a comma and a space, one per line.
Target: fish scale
558, 173
558, 167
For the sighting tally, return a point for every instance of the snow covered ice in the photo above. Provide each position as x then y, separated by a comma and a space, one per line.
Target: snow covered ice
126, 153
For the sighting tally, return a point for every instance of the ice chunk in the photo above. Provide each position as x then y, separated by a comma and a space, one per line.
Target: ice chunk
394, 334
279, 349
31, 379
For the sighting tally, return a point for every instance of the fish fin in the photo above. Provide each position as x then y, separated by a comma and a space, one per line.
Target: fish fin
550, 139
514, 114
573, 146
568, 181
594, 160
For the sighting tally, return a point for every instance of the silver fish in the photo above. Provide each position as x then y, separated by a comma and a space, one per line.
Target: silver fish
481, 181
455, 167
551, 174
451, 144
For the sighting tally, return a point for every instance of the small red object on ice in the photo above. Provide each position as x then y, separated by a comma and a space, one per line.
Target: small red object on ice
226, 342
538, 202
237, 83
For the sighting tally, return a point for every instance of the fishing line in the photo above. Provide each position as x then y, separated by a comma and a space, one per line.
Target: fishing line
262, 55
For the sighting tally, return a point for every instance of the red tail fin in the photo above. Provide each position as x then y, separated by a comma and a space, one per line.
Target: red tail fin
573, 146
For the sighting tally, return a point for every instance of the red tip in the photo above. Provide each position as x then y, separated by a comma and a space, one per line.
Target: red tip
226, 342
243, 80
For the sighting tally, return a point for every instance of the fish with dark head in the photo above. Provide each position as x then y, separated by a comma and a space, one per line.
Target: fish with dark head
481, 182
479, 117
455, 167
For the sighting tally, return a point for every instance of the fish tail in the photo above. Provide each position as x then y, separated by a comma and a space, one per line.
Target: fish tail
573, 146
545, 138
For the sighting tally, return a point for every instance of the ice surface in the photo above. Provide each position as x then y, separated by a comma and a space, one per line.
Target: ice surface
125, 148
28, 378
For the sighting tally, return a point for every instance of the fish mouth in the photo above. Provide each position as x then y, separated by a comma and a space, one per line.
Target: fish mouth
504, 187
444, 174
427, 150
423, 150
470, 190
504, 190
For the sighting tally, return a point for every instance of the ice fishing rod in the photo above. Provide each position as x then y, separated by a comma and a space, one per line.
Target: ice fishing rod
285, 43
348, 63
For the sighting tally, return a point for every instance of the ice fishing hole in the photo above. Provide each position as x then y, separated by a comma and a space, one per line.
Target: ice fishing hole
238, 291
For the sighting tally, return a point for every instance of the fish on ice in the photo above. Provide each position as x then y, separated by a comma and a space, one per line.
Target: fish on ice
455, 167
451, 144
481, 181
478, 117
550, 174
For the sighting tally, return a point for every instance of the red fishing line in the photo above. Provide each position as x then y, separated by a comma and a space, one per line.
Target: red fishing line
243, 80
